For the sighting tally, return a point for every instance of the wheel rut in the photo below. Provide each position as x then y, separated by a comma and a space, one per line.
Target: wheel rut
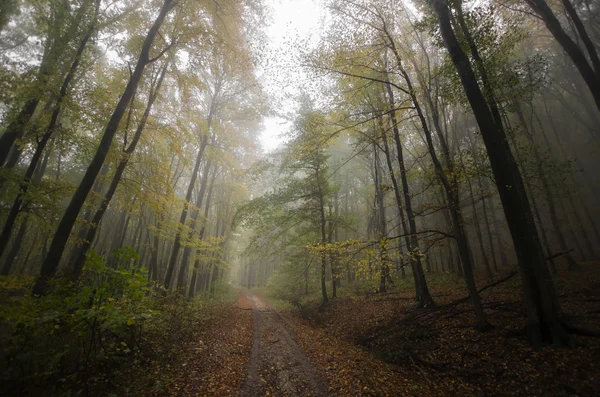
277, 366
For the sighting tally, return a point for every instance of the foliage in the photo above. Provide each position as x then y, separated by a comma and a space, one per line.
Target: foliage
89, 336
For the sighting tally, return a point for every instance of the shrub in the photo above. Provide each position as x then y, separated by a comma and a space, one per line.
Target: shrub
81, 336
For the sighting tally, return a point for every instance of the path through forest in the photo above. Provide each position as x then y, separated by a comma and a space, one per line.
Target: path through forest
378, 344
276, 364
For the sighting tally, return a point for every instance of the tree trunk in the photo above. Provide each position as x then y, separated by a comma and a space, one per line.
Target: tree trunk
569, 194
184, 211
423, 297
65, 226
199, 199
590, 76
79, 262
12, 254
547, 192
202, 231
451, 190
382, 229
544, 322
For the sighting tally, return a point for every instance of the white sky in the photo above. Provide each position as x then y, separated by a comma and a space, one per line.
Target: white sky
292, 20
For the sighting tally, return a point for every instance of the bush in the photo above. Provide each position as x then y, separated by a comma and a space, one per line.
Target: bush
85, 336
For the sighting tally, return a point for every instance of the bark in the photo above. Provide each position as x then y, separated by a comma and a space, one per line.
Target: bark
450, 188
23, 188
154, 256
12, 254
488, 228
332, 256
16, 129
203, 228
136, 243
477, 226
569, 194
405, 230
534, 206
188, 196
183, 216
336, 206
41, 146
382, 229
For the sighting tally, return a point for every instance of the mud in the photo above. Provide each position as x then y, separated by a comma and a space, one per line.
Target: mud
277, 366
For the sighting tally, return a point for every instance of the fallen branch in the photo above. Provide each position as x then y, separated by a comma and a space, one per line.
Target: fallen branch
480, 290
559, 254
393, 299
441, 308
581, 331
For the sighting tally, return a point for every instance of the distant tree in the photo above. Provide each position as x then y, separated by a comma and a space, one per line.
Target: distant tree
588, 66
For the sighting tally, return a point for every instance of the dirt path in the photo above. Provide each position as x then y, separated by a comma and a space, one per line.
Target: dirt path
277, 366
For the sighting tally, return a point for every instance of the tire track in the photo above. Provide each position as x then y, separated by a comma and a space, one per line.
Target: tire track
277, 366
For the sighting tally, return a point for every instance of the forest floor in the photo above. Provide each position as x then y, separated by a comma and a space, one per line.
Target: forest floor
380, 345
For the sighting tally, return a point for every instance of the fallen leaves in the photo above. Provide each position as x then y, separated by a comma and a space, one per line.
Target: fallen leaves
441, 354
216, 366
377, 346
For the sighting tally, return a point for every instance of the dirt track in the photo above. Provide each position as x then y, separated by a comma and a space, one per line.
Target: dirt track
277, 366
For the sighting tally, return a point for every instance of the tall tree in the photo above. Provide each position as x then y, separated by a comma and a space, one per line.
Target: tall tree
544, 320
65, 226
588, 66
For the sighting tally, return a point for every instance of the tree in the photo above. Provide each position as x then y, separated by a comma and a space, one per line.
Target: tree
80, 256
68, 220
57, 42
589, 69
308, 156
544, 322
43, 140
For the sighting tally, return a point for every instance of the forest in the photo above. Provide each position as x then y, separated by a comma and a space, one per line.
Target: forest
311, 198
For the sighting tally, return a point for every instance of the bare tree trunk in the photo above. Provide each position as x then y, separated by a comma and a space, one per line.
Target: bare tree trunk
332, 255
569, 194
199, 199
477, 226
80, 254
184, 212
383, 242
191, 291
547, 193
12, 254
423, 297
450, 188
323, 238
154, 256
488, 228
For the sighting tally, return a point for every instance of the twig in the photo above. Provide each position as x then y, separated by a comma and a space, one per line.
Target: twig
559, 254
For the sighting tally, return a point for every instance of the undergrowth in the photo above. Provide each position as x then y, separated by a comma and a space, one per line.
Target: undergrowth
112, 334
287, 294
